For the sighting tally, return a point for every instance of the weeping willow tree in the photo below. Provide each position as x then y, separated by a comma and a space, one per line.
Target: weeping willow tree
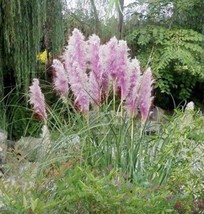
26, 26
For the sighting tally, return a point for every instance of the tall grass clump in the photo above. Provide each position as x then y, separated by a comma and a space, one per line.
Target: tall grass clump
111, 97
100, 152
107, 100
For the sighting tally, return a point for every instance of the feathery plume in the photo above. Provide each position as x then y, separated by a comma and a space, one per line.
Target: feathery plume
37, 100
134, 78
77, 47
79, 86
122, 61
112, 48
105, 83
75, 65
60, 79
145, 98
95, 70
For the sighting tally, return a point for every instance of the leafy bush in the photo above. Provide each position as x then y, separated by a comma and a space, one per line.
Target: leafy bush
175, 56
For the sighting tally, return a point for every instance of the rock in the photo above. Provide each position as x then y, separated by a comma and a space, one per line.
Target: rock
10, 144
69, 145
3, 148
3, 136
2, 206
152, 127
29, 148
2, 159
190, 106
157, 114
2, 154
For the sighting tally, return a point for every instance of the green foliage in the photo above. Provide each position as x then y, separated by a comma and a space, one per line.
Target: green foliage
22, 30
20, 116
26, 28
180, 141
81, 19
119, 140
86, 170
3, 123
175, 56
54, 27
179, 13
81, 190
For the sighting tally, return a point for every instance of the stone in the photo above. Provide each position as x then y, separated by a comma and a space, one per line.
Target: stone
2, 155
190, 106
157, 114
28, 148
2, 158
3, 136
10, 144
69, 145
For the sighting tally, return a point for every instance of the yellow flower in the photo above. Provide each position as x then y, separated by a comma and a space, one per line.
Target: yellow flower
42, 57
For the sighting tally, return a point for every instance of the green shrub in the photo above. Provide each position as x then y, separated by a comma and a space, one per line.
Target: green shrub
175, 56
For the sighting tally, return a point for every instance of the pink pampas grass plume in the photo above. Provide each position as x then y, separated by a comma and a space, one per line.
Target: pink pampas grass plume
93, 49
37, 100
95, 75
112, 48
75, 64
60, 79
134, 78
79, 86
121, 75
76, 50
105, 79
145, 98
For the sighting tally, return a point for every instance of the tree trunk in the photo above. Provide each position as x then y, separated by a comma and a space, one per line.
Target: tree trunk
121, 17
97, 22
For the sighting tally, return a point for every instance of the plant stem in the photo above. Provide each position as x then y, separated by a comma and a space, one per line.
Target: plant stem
114, 93
68, 110
121, 111
131, 151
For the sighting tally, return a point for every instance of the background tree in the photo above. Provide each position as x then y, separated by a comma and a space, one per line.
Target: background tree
120, 18
168, 36
97, 22
95, 16
23, 25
